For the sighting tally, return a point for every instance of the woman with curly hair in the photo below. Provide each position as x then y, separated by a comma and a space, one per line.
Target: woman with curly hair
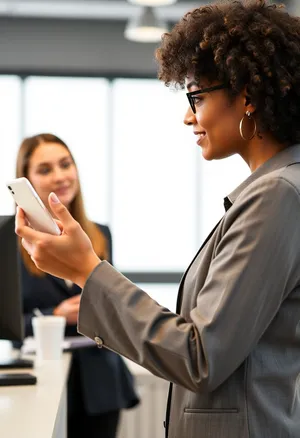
232, 349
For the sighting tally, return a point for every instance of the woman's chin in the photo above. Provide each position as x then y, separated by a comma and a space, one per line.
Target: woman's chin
207, 154
210, 153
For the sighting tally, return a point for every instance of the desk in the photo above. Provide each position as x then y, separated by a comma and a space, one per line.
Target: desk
36, 411
39, 411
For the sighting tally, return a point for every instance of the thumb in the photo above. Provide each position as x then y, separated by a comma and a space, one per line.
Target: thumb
60, 211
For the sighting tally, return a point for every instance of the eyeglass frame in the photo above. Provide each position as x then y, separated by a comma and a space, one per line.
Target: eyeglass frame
191, 94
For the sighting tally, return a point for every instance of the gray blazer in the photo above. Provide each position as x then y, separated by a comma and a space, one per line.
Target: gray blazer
232, 350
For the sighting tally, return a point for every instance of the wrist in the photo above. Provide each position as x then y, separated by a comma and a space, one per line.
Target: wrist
86, 270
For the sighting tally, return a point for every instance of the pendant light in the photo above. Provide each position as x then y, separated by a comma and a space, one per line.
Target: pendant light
145, 27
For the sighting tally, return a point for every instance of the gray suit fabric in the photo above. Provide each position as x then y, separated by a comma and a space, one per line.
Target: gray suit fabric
232, 350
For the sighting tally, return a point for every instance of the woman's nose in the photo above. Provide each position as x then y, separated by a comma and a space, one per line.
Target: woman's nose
189, 118
58, 174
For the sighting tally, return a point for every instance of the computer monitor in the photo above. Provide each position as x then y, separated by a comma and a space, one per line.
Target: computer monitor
11, 307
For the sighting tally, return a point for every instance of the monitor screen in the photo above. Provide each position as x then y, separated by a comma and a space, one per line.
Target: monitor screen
11, 308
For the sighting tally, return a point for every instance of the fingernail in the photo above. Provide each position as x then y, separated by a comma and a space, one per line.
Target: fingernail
54, 198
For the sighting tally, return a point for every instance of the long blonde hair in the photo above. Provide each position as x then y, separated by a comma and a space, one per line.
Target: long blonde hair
77, 210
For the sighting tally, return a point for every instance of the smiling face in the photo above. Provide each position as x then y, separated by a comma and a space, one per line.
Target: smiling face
216, 121
52, 169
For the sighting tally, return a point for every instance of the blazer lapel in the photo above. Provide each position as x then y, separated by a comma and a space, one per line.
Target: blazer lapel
179, 296
178, 307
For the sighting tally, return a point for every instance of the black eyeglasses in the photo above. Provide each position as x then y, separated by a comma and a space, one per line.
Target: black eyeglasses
192, 95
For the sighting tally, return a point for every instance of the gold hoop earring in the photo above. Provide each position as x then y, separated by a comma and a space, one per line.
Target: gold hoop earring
250, 117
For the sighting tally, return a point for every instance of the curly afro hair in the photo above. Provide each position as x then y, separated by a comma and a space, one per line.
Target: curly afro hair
244, 43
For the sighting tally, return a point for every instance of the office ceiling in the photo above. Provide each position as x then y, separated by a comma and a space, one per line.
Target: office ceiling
101, 9
89, 9
84, 1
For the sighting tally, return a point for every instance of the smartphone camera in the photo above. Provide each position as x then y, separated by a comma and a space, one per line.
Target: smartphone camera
11, 190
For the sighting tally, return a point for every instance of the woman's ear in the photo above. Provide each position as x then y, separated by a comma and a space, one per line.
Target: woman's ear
247, 102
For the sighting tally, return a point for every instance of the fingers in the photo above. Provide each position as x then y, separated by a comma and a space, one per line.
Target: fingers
59, 224
72, 313
62, 213
75, 299
74, 308
20, 218
24, 231
29, 234
27, 246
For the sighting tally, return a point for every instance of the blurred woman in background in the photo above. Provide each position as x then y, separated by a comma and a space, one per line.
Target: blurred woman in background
100, 384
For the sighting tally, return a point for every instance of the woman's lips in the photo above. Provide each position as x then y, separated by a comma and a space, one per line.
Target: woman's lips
201, 137
61, 191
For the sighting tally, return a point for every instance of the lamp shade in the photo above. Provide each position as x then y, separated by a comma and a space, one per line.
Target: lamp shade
145, 27
153, 2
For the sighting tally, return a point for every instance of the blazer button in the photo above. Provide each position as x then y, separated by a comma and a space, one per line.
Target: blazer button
98, 341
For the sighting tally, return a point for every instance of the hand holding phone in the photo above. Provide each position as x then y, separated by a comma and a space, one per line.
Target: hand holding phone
37, 214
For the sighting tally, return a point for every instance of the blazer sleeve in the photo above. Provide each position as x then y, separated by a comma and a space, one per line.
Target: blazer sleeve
255, 267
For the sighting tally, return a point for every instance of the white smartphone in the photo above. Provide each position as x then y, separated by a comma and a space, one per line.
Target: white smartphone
37, 214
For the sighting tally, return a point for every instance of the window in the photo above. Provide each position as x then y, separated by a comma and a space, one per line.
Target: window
76, 109
154, 178
164, 294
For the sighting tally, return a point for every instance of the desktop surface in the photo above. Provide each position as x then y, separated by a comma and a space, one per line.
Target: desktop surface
34, 410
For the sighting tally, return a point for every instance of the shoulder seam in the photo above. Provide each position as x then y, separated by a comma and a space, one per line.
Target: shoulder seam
289, 183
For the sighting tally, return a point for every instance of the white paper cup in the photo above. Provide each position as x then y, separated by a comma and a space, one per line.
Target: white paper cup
5, 350
48, 333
